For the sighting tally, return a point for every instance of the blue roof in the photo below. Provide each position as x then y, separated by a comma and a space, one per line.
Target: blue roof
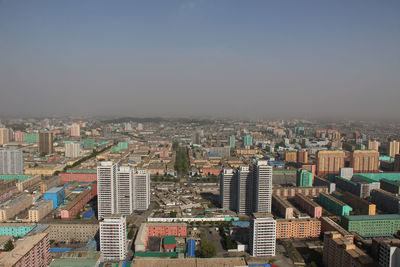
59, 250
241, 223
88, 214
54, 189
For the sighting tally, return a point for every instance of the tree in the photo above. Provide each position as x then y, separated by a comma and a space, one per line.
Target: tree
9, 246
207, 249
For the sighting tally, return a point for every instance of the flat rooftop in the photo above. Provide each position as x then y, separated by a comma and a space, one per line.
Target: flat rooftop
54, 190
21, 248
373, 217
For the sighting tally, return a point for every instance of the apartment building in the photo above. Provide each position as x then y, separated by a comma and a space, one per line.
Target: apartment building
113, 241
262, 240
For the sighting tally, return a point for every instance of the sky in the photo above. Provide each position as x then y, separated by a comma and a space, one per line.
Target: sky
202, 58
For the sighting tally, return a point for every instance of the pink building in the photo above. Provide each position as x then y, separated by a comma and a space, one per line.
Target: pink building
86, 177
210, 171
312, 208
32, 251
19, 136
75, 129
161, 230
94, 189
72, 209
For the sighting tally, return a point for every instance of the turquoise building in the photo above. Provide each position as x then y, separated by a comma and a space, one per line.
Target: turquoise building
15, 229
334, 205
232, 141
247, 140
31, 138
304, 178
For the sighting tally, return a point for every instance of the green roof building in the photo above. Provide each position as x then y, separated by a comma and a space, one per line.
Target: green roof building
334, 205
31, 138
372, 225
88, 143
15, 229
232, 141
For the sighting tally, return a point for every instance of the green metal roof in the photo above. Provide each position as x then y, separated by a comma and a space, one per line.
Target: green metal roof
386, 158
169, 240
20, 177
373, 217
394, 182
73, 263
379, 176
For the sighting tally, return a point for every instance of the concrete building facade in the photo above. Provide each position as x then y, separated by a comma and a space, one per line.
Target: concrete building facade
311, 207
262, 240
11, 161
113, 242
227, 189
365, 161
330, 161
340, 252
297, 228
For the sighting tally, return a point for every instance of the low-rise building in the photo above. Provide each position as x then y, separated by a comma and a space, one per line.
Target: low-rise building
311, 207
32, 251
298, 228
290, 192
72, 209
339, 251
372, 226
10, 208
40, 210
282, 206
390, 186
86, 176
386, 201
319, 181
16, 229
159, 230
69, 231
327, 225
334, 205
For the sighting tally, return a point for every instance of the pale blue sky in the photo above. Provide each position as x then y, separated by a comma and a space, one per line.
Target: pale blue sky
222, 58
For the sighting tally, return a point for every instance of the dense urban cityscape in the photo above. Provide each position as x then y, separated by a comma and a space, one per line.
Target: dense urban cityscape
199, 133
89, 192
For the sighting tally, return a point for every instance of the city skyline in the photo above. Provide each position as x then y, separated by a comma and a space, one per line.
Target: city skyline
200, 58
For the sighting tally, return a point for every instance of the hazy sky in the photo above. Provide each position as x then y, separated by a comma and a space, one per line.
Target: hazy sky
222, 58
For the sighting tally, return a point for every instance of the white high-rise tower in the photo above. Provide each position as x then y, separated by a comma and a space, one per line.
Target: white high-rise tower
113, 242
106, 188
141, 191
262, 185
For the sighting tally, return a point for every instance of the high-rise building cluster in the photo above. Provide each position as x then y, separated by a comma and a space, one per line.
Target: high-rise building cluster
121, 189
247, 189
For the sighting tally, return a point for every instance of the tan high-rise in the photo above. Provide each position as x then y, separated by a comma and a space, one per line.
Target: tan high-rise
46, 143
373, 145
4, 137
365, 161
393, 148
330, 161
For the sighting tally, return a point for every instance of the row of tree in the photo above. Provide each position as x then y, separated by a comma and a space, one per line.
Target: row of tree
181, 161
